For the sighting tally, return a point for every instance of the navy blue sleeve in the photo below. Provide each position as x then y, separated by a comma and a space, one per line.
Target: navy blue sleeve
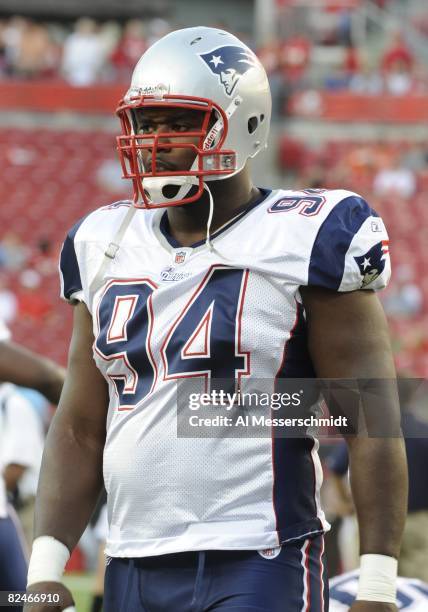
333, 262
71, 281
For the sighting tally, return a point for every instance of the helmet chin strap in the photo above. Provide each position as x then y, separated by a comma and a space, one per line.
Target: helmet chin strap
208, 241
155, 188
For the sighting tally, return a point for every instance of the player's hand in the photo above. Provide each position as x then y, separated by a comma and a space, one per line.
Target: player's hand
49, 588
372, 606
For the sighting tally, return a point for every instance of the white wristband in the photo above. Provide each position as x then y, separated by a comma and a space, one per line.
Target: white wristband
48, 559
378, 578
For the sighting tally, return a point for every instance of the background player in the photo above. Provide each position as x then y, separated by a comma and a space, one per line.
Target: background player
23, 367
297, 250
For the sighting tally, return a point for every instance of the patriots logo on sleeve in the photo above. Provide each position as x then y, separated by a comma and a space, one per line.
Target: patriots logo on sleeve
229, 63
372, 263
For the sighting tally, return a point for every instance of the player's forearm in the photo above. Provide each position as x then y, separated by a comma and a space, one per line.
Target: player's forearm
23, 367
69, 484
52, 383
379, 486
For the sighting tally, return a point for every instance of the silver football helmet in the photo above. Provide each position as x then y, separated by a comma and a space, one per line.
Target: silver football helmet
204, 69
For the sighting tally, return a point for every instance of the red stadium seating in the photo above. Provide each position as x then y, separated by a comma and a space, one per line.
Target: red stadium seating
49, 181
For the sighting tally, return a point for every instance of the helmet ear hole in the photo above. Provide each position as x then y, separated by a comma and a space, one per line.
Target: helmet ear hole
253, 124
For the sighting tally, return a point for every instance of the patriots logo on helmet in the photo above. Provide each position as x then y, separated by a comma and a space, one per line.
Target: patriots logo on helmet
372, 263
229, 63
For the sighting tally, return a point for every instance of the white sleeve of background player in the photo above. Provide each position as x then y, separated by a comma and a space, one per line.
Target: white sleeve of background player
351, 250
4, 332
69, 271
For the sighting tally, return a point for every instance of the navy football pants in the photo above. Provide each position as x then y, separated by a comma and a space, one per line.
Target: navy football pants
13, 563
242, 581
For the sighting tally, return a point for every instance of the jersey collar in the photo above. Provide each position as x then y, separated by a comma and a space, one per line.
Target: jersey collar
165, 229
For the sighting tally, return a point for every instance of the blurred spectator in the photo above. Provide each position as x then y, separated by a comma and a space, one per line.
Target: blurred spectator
32, 302
397, 54
2, 48
14, 253
45, 259
416, 158
36, 55
269, 55
394, 181
294, 58
344, 26
367, 81
84, 54
8, 302
398, 80
109, 33
405, 297
156, 28
12, 36
352, 61
129, 50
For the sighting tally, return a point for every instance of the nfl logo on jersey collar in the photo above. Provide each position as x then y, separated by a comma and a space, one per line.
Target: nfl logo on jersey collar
181, 255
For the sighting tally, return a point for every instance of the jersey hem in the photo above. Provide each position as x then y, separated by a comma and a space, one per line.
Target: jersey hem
167, 546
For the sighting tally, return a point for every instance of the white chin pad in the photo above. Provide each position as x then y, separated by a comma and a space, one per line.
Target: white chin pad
154, 187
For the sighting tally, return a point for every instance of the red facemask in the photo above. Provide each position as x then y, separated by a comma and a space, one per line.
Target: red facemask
210, 158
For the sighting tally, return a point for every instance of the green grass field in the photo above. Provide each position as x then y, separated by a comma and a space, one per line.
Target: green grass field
81, 586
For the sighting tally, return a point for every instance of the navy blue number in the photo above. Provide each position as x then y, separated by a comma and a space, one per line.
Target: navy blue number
205, 340
125, 320
309, 205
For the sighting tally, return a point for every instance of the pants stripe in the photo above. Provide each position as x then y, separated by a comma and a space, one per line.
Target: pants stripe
306, 576
322, 573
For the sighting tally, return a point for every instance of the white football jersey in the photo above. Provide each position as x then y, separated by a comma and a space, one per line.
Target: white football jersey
412, 594
4, 331
165, 313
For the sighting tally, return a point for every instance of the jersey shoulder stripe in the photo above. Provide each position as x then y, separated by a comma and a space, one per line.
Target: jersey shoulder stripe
71, 282
327, 260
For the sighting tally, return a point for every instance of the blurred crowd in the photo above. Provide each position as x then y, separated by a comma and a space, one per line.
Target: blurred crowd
393, 177
83, 54
395, 71
24, 270
89, 52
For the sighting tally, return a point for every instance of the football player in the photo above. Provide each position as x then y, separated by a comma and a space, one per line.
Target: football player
206, 277
22, 367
